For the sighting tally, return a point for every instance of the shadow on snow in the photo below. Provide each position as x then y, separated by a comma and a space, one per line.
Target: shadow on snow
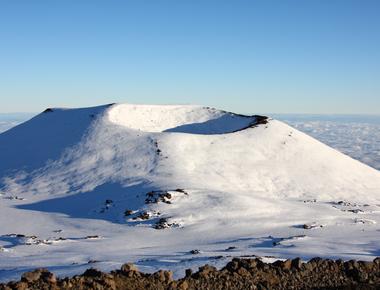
106, 202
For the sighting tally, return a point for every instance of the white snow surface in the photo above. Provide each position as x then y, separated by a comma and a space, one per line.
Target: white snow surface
88, 187
358, 139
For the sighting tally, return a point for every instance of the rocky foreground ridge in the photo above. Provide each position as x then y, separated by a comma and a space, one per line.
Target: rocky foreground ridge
238, 274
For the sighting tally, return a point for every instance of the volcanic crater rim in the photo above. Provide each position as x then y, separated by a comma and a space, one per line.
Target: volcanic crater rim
180, 119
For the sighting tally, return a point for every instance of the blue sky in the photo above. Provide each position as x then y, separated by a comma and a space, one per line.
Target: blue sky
317, 56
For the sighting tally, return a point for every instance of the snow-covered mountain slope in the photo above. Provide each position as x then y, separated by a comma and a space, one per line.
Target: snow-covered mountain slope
148, 184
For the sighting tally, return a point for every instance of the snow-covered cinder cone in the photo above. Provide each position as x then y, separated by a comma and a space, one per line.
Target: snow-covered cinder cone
123, 182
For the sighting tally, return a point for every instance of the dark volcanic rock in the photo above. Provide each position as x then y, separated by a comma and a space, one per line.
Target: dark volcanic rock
237, 274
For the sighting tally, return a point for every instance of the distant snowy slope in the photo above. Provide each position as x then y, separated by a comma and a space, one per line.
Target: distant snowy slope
45, 137
356, 136
97, 145
150, 183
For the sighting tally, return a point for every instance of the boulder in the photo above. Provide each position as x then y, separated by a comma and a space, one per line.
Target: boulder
129, 267
296, 263
33, 276
92, 273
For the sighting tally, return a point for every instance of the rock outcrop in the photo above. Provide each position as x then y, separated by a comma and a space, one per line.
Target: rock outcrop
238, 274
